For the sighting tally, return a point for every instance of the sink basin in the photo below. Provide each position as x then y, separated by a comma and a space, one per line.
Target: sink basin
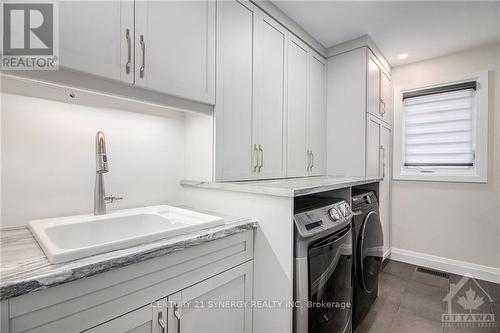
69, 238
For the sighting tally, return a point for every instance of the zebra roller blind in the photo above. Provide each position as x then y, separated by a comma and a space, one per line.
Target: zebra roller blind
439, 126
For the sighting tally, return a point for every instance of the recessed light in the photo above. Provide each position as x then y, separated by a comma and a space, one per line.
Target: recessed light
403, 56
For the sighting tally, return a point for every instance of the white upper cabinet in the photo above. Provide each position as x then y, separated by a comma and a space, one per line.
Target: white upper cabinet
99, 44
317, 115
373, 103
269, 109
379, 90
306, 145
386, 107
236, 159
251, 94
175, 48
298, 156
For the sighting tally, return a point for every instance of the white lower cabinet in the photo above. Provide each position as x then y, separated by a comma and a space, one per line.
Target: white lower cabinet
372, 147
378, 164
199, 289
385, 190
214, 305
219, 304
138, 321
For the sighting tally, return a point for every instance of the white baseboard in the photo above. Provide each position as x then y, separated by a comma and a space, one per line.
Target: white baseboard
387, 253
486, 273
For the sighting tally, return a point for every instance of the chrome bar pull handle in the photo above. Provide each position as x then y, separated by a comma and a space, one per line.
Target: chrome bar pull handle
143, 48
312, 160
308, 160
177, 315
129, 51
162, 322
383, 160
256, 152
261, 157
382, 102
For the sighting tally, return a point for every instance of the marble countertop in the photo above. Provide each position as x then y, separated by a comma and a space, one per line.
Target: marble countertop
24, 268
290, 187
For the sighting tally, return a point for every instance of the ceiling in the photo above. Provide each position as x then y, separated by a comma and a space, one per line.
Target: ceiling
423, 29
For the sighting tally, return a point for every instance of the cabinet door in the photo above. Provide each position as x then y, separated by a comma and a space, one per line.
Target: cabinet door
386, 112
385, 184
206, 306
97, 37
137, 321
269, 113
373, 102
235, 156
175, 43
297, 155
372, 147
317, 114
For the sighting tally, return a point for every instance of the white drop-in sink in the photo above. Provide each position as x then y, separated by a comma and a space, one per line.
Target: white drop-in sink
69, 238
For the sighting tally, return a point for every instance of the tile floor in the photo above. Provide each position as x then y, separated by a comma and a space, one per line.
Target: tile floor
411, 301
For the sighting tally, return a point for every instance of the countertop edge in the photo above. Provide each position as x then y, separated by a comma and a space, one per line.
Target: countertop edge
29, 285
235, 187
256, 188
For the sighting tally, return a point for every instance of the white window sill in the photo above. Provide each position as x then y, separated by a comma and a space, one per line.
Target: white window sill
440, 176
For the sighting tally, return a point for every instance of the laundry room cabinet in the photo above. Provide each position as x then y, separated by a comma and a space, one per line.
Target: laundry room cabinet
378, 165
101, 44
379, 90
271, 103
359, 120
306, 146
298, 154
193, 289
162, 46
175, 48
199, 308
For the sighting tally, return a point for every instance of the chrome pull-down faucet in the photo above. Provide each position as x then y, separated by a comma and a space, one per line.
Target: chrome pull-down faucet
100, 198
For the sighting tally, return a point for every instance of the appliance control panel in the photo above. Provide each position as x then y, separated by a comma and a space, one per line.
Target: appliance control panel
311, 222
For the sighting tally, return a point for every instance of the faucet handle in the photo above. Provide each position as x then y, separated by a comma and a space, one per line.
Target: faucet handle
111, 198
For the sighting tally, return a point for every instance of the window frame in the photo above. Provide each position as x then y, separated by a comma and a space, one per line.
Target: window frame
478, 173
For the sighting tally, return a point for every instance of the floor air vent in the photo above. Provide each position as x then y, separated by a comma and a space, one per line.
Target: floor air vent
433, 272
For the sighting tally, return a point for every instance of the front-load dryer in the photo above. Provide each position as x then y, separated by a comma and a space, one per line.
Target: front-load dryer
368, 244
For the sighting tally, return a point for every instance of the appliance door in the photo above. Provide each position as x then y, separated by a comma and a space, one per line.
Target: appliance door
370, 251
330, 284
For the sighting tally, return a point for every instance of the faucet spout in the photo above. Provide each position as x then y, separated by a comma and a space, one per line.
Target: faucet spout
100, 152
100, 198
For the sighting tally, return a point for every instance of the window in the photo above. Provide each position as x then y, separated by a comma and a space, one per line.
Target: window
442, 131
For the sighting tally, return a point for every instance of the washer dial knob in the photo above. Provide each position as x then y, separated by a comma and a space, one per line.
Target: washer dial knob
334, 214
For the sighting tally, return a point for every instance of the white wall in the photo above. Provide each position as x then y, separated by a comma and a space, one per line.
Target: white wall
48, 157
456, 221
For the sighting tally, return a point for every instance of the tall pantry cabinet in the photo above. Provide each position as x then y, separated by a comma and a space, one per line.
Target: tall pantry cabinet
359, 120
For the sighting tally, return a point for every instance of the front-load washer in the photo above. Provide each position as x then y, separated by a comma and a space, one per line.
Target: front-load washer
323, 266
368, 244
